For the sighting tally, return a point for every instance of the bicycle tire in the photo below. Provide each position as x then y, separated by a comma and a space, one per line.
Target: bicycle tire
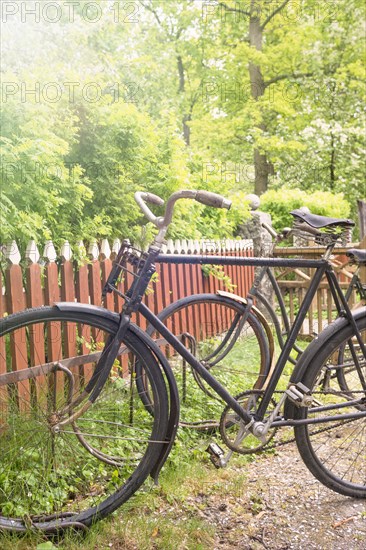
51, 481
335, 451
202, 322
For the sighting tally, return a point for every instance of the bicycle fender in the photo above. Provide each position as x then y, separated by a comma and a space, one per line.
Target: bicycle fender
312, 351
261, 318
173, 421
76, 307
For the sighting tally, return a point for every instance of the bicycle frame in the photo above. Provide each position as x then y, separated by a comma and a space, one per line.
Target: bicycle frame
322, 268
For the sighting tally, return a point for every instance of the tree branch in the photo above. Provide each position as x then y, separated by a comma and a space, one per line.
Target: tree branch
151, 9
237, 10
275, 12
284, 76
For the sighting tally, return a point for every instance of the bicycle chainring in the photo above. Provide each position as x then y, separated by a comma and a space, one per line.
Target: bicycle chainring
232, 428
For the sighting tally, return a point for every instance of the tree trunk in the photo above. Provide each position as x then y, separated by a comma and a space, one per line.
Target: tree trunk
262, 168
332, 163
181, 90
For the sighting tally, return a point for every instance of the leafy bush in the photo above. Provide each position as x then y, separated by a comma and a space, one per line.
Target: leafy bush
280, 202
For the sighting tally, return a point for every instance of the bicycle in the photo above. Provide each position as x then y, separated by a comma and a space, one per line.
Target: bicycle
238, 351
78, 439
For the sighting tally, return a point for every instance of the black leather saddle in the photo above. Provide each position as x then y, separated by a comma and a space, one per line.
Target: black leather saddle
319, 222
358, 255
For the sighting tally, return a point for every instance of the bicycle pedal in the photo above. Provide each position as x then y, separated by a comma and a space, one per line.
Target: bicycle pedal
216, 454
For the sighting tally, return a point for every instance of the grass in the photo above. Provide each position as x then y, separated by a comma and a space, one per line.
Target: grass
170, 515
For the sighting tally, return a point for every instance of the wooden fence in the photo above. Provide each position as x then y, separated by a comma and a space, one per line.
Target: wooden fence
294, 283
39, 280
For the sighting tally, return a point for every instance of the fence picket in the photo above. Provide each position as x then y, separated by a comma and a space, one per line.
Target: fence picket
52, 296
15, 302
35, 299
69, 331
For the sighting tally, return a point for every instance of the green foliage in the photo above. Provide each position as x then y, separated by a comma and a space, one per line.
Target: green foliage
71, 166
281, 201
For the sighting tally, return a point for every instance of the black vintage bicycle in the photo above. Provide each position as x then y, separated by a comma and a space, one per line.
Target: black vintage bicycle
89, 404
239, 348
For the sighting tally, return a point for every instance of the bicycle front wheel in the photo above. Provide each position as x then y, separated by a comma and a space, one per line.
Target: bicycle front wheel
335, 450
235, 351
86, 468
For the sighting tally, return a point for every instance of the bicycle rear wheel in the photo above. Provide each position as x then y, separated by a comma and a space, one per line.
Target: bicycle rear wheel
335, 451
237, 354
85, 470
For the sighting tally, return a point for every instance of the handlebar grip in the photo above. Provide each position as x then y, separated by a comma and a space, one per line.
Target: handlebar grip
212, 199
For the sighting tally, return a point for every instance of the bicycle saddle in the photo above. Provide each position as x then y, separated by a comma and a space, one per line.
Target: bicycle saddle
320, 221
358, 255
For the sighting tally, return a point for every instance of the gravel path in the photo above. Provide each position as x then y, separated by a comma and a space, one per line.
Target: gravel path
283, 507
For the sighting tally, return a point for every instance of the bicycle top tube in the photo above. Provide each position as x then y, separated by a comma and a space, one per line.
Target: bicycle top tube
235, 260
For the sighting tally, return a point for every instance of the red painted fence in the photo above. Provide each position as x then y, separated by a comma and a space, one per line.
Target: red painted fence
29, 283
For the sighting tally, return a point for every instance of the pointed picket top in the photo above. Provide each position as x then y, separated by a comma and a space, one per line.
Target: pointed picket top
32, 253
196, 246
209, 246
183, 246
12, 253
66, 252
190, 246
177, 246
164, 249
170, 246
93, 251
105, 250
49, 252
115, 248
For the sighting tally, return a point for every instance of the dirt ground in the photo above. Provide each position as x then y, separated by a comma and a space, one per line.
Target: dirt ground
289, 509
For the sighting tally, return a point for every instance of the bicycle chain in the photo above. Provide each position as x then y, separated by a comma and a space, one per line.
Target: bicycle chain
321, 430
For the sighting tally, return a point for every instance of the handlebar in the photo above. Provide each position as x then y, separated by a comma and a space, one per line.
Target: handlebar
204, 197
162, 222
